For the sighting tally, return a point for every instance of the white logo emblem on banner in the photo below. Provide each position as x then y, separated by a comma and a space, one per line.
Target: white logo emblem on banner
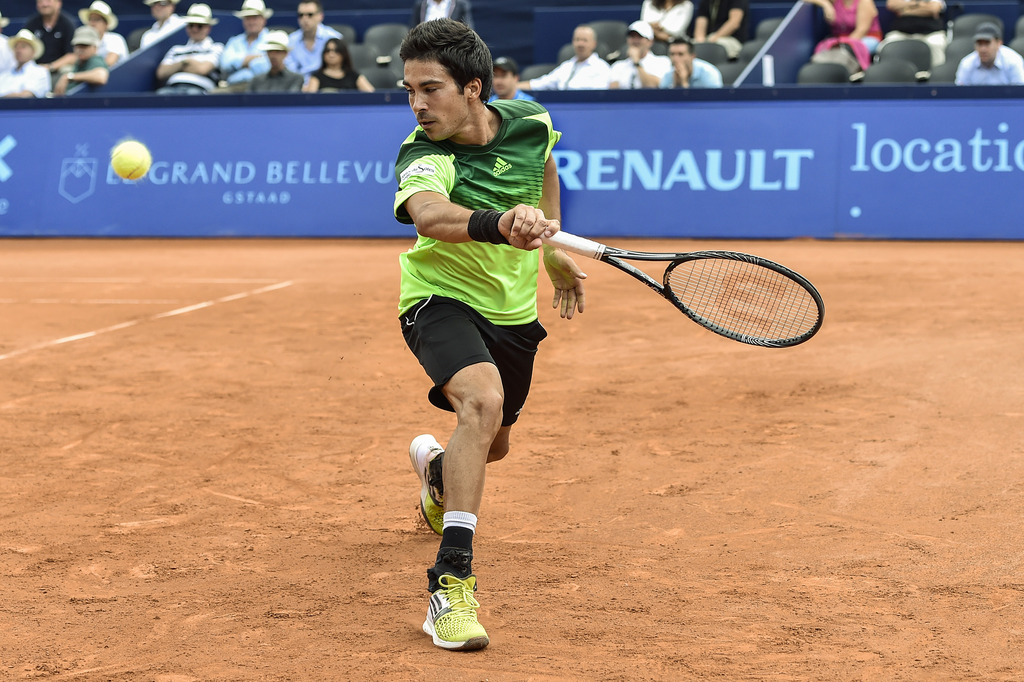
6, 145
78, 176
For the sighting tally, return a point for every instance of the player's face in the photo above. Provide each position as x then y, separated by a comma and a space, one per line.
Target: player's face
441, 110
505, 84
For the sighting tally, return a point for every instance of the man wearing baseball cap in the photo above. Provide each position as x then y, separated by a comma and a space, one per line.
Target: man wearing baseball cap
991, 63
506, 80
641, 68
89, 68
27, 79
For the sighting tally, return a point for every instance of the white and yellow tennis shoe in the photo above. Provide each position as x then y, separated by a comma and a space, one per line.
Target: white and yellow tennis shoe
422, 451
451, 615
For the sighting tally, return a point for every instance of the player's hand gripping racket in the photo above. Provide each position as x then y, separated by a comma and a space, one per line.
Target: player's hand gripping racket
742, 297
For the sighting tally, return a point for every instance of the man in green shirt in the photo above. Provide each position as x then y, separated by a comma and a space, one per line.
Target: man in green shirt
89, 67
479, 183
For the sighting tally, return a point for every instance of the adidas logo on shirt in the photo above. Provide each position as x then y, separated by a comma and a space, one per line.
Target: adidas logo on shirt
500, 166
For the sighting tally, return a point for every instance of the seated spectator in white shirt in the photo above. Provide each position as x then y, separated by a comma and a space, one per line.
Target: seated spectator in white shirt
191, 69
991, 63
166, 21
6, 57
687, 70
243, 59
641, 68
27, 79
112, 47
584, 71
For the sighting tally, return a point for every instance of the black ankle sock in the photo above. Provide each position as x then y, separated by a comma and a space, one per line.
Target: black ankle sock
457, 561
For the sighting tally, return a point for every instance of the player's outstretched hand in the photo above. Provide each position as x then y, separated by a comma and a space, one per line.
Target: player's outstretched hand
567, 279
523, 227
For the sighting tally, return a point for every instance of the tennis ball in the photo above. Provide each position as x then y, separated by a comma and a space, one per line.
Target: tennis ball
130, 159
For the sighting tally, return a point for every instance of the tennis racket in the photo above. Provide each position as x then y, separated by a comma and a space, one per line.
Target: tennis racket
742, 297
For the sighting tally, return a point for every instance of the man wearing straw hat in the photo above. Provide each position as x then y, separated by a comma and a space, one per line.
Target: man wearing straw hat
243, 59
191, 69
278, 78
167, 21
112, 47
27, 79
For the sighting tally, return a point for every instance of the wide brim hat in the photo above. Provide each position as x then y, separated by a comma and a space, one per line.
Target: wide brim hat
101, 8
85, 35
200, 13
275, 40
27, 36
254, 8
153, 2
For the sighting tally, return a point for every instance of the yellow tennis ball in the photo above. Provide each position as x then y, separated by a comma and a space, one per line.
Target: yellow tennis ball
130, 159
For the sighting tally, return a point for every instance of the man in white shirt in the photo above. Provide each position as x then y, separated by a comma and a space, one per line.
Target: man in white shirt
27, 79
991, 63
584, 71
641, 68
166, 21
6, 56
112, 47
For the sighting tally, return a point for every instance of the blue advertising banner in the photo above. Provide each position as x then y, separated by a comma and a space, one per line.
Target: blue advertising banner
907, 169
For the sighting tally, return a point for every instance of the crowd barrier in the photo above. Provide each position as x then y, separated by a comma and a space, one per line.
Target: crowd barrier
902, 163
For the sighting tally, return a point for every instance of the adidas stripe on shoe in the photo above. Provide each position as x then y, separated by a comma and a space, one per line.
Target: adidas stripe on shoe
451, 615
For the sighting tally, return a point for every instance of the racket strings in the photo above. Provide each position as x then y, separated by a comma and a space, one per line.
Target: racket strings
744, 299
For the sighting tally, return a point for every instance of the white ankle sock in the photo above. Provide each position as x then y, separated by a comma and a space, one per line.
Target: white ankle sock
460, 519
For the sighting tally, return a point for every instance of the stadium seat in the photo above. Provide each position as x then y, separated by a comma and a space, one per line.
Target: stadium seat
347, 31
965, 25
611, 32
385, 37
535, 70
134, 39
943, 73
711, 52
893, 70
1017, 45
364, 57
1018, 29
381, 77
815, 73
959, 48
565, 52
730, 72
766, 27
750, 50
915, 51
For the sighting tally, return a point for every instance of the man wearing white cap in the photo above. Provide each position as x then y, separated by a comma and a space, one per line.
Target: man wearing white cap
167, 21
112, 47
191, 69
243, 59
26, 79
641, 68
278, 78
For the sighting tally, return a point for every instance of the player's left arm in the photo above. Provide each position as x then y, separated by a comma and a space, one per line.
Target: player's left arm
566, 276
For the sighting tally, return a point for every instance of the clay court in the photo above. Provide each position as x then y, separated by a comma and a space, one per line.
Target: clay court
204, 474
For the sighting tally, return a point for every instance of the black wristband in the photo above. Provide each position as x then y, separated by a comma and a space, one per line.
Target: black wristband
483, 227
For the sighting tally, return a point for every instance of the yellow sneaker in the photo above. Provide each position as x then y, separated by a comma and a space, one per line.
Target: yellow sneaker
451, 615
422, 451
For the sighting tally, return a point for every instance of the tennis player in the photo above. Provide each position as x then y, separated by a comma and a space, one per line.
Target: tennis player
479, 183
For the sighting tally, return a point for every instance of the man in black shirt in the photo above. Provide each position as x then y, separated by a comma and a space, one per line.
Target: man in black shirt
54, 28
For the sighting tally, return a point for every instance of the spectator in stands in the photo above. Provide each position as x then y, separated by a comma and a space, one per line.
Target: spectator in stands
89, 67
243, 59
112, 47
854, 24
54, 28
641, 68
506, 80
724, 22
687, 70
26, 79
337, 72
991, 63
425, 10
668, 18
166, 21
920, 20
307, 44
6, 55
583, 71
191, 69
278, 78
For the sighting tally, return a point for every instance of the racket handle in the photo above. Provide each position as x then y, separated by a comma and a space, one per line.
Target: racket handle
581, 245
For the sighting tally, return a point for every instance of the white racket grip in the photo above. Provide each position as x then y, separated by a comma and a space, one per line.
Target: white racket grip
581, 245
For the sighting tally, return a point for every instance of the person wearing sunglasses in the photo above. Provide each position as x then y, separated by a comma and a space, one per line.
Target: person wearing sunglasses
307, 43
166, 22
337, 72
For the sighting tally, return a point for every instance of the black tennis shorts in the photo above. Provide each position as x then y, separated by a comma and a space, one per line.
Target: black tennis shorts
447, 335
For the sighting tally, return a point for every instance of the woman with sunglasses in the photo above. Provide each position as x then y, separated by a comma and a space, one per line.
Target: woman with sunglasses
336, 71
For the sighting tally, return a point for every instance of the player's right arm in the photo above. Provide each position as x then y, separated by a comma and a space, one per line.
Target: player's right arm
438, 218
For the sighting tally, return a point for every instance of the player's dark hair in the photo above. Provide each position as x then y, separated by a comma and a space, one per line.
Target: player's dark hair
454, 46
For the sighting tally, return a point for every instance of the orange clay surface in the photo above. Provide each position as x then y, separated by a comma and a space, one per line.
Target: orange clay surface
224, 493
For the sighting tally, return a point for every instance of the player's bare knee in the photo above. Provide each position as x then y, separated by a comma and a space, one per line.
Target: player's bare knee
483, 409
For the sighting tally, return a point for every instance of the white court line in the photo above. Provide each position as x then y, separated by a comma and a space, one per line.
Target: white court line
90, 301
129, 280
132, 323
